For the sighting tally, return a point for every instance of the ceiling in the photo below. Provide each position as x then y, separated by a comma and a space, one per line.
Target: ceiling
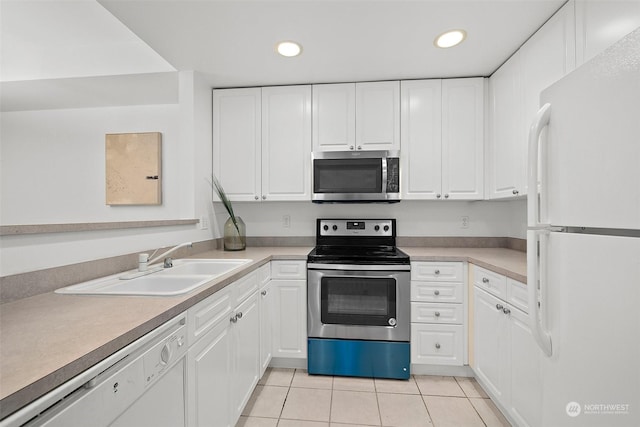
232, 43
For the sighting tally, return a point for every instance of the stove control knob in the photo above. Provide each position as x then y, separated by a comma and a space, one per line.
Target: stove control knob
335, 227
392, 322
325, 227
386, 228
377, 228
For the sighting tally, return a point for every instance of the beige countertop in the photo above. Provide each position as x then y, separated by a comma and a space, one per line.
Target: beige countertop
47, 339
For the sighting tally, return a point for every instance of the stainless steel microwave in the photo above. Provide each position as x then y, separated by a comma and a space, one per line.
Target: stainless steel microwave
356, 176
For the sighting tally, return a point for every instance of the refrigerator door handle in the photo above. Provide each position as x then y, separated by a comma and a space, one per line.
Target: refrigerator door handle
540, 121
536, 276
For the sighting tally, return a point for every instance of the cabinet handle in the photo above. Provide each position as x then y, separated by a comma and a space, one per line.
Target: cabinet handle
239, 315
436, 292
437, 345
437, 272
256, 197
499, 306
506, 311
234, 318
485, 280
437, 313
264, 197
263, 293
359, 147
438, 196
446, 196
515, 192
351, 147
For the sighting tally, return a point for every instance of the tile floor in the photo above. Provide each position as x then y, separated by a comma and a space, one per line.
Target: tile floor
293, 398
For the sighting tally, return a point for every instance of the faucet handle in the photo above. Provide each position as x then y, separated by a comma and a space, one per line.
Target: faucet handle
168, 262
143, 261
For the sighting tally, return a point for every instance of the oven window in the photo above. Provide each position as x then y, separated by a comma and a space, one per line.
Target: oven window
347, 176
358, 300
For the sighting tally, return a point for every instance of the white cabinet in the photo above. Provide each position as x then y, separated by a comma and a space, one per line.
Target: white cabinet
443, 139
356, 116
506, 357
599, 24
266, 317
286, 143
223, 357
515, 99
438, 313
237, 139
262, 142
289, 288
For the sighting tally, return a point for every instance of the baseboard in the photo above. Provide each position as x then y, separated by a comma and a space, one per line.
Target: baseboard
288, 362
442, 370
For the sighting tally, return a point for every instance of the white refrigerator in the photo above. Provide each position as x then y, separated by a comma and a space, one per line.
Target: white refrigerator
583, 253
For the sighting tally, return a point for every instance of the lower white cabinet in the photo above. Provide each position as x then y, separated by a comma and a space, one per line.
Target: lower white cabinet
224, 354
506, 357
438, 313
289, 288
266, 319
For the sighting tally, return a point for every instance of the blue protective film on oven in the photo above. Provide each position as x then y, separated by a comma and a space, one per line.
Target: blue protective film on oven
355, 358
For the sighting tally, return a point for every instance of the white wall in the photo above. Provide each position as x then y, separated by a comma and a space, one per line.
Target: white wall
52, 171
414, 218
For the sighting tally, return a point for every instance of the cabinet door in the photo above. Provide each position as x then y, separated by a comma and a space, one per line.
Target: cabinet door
506, 154
289, 318
526, 374
599, 24
236, 142
421, 137
463, 139
246, 354
209, 378
266, 326
491, 344
378, 116
286, 143
334, 117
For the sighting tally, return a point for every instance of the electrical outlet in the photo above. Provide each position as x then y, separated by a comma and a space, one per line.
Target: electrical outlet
204, 222
465, 222
286, 221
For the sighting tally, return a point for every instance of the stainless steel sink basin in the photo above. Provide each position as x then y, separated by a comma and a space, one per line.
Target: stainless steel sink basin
185, 276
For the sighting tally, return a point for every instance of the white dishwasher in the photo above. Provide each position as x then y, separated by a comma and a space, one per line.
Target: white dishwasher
144, 384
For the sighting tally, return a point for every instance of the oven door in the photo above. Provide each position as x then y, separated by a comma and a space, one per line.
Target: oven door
358, 304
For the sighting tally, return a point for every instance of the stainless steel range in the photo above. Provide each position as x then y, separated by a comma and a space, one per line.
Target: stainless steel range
358, 316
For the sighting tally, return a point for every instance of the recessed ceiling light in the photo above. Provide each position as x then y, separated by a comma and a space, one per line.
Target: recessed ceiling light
289, 48
450, 38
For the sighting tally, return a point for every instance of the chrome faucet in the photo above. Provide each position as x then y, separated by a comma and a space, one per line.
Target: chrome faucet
145, 260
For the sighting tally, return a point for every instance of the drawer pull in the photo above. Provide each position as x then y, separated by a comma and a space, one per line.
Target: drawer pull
499, 306
437, 313
263, 293
506, 311
485, 280
437, 271
436, 292
438, 345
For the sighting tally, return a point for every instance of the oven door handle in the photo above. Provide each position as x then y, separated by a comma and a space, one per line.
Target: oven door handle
360, 267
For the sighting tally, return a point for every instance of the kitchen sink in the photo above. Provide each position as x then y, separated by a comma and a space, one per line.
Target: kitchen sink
185, 276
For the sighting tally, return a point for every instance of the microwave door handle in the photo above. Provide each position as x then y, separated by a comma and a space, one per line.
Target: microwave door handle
384, 174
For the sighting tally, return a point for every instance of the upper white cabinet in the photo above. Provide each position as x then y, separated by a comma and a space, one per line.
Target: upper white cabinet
262, 142
237, 139
442, 139
514, 97
356, 116
599, 24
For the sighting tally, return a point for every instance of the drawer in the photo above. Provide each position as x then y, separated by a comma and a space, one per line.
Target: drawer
264, 274
517, 294
494, 283
289, 270
437, 271
244, 287
427, 312
437, 344
206, 314
437, 292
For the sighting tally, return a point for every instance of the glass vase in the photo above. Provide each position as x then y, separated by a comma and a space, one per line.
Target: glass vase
235, 239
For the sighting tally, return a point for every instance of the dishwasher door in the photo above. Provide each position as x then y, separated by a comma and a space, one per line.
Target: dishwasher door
146, 387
